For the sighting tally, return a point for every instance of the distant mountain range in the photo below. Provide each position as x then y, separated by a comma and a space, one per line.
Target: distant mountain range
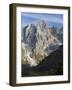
38, 42
55, 24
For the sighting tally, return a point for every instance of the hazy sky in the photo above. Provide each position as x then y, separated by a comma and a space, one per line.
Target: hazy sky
52, 19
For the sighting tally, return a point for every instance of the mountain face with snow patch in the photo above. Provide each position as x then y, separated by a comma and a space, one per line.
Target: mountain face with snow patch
38, 42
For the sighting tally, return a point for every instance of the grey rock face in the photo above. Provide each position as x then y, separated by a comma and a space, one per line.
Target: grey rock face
38, 42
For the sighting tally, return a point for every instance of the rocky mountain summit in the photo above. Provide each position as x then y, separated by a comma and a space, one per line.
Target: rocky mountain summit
38, 42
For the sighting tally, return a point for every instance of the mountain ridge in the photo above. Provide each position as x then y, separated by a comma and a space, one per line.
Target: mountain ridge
37, 43
51, 65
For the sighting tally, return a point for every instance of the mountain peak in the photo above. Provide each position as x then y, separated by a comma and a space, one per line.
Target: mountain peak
42, 24
40, 42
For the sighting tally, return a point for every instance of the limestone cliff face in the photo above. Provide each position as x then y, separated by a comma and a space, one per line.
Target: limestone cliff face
37, 43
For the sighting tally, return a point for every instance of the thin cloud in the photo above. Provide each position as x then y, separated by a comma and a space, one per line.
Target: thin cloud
33, 17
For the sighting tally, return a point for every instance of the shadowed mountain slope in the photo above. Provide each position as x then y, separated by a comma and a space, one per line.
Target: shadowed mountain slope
51, 65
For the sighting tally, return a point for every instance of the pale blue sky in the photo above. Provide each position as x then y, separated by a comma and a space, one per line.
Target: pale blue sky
52, 19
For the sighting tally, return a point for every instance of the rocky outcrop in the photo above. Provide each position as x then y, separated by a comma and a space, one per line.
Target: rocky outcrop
38, 41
